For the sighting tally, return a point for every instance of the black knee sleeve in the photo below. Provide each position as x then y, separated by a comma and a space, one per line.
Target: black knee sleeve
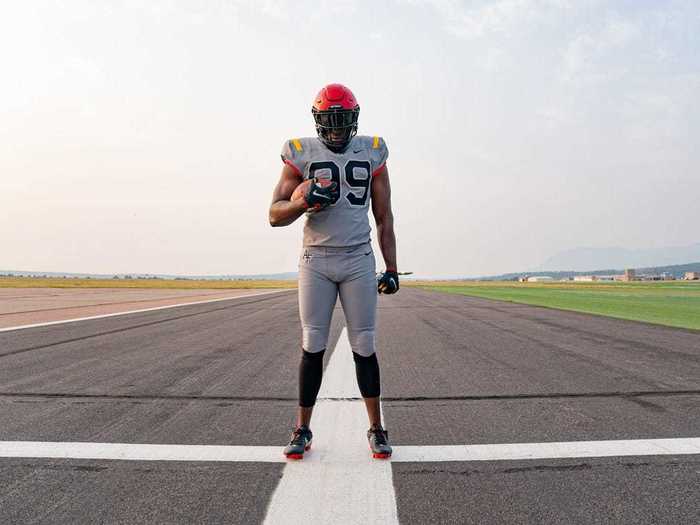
367, 370
310, 375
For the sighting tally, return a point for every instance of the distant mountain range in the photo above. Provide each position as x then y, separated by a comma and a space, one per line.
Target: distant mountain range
587, 259
264, 277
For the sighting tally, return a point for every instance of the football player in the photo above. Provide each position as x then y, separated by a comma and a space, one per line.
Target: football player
333, 179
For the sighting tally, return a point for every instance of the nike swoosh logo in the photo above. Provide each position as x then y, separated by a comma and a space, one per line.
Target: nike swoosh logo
321, 195
356, 151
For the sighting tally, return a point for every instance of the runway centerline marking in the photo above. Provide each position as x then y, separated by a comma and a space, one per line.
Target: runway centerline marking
338, 481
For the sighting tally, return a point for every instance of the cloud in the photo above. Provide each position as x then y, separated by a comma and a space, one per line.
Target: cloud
481, 19
465, 22
599, 46
308, 10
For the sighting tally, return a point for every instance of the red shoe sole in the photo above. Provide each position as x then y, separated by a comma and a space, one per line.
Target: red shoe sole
298, 456
379, 455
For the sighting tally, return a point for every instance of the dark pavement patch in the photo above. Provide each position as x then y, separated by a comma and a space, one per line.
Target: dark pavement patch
651, 490
71, 491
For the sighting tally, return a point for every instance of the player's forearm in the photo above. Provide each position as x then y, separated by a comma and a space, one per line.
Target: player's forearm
284, 213
387, 242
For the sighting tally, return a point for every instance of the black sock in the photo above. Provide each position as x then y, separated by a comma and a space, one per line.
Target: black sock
367, 371
310, 375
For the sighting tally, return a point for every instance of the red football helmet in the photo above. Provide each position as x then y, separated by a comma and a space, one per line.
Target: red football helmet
335, 112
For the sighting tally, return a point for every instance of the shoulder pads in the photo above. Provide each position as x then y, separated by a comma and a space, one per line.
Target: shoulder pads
293, 154
378, 152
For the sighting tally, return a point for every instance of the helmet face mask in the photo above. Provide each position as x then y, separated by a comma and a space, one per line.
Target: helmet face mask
335, 113
336, 127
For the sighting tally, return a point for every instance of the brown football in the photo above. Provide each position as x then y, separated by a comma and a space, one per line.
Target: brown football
300, 190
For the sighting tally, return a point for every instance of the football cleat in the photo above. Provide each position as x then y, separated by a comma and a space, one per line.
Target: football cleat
299, 443
335, 112
378, 439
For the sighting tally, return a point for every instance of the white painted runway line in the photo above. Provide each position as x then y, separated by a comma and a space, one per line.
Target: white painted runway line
338, 481
139, 452
338, 413
563, 450
77, 319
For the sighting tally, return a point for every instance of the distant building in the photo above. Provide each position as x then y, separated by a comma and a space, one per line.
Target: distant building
629, 275
655, 277
692, 276
539, 278
585, 278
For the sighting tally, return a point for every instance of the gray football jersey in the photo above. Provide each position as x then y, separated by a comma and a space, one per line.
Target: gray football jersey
345, 222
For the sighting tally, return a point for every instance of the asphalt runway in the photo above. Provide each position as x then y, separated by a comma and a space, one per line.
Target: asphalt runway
28, 306
456, 371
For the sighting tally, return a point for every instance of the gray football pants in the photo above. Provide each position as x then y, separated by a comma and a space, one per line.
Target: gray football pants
325, 274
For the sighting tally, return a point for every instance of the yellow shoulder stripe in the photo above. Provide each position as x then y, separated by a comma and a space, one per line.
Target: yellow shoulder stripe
375, 143
297, 144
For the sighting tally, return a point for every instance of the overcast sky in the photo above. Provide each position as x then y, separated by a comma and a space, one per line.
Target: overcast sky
147, 139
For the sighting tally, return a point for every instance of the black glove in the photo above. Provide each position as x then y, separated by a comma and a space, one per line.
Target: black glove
321, 193
388, 282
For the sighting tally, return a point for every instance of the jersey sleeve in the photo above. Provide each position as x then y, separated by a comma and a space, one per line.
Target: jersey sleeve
292, 155
378, 153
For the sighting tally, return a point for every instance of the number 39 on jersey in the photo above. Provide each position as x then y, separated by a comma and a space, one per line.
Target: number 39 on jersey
352, 169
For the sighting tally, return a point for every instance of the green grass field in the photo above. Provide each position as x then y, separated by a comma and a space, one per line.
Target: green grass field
671, 303
34, 282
